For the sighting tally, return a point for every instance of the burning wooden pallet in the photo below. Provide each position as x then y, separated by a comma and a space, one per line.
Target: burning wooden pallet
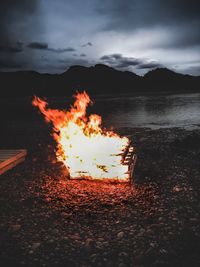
87, 150
128, 159
9, 158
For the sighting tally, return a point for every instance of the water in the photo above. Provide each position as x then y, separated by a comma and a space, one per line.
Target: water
152, 111
181, 110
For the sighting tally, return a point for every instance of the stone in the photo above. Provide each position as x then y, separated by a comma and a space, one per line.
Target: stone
35, 245
120, 235
15, 227
89, 242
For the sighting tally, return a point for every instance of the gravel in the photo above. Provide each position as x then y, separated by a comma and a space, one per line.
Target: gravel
48, 220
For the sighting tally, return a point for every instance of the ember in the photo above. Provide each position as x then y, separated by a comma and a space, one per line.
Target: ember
86, 149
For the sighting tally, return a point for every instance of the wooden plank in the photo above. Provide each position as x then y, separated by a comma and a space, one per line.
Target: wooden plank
9, 158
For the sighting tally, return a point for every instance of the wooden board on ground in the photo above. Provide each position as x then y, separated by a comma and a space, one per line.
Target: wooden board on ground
9, 158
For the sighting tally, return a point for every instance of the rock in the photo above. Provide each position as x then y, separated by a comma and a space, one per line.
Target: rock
50, 241
89, 242
75, 237
93, 255
120, 235
176, 189
193, 220
149, 232
55, 231
163, 251
123, 254
15, 227
35, 245
149, 251
65, 214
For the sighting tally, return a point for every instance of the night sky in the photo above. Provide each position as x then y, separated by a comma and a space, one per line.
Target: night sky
136, 35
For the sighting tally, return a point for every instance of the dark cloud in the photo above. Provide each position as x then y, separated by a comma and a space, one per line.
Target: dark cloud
127, 62
123, 62
18, 24
62, 50
120, 61
37, 45
82, 55
131, 14
111, 57
11, 48
44, 46
184, 38
87, 44
13, 14
150, 65
19, 5
181, 16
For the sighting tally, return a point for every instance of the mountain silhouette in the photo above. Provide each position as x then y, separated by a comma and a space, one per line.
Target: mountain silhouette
98, 79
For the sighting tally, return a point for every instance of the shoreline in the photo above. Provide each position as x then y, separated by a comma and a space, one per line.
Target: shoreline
110, 96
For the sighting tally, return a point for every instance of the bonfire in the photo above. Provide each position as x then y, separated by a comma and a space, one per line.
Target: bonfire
85, 148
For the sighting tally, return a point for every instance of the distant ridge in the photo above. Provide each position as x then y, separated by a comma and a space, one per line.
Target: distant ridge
98, 79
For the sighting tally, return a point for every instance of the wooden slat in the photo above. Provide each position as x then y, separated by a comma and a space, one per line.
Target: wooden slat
9, 158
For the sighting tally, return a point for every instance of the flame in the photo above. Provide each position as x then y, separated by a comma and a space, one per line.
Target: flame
86, 149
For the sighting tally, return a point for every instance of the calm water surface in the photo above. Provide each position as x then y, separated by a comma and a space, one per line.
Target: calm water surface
181, 110
155, 111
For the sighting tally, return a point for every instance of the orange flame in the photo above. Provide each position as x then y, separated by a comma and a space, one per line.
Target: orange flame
85, 148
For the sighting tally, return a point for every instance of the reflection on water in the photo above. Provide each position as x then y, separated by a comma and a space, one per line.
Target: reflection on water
151, 111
